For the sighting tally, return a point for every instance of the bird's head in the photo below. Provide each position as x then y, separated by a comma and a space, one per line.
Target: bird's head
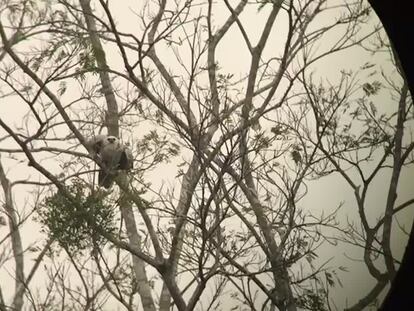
112, 139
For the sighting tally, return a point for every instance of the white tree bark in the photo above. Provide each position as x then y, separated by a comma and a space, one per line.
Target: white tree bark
16, 240
112, 123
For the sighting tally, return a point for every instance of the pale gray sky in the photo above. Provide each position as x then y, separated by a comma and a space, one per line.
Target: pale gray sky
324, 195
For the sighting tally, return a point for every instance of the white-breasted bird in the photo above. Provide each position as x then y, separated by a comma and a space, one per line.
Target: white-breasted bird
114, 155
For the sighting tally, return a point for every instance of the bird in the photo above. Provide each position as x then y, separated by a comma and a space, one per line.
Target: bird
114, 156
94, 144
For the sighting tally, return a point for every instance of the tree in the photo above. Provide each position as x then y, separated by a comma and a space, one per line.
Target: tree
398, 295
245, 151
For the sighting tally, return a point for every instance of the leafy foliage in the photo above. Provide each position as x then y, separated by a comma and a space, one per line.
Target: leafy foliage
312, 301
75, 222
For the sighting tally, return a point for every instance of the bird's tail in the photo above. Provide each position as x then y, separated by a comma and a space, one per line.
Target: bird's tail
105, 179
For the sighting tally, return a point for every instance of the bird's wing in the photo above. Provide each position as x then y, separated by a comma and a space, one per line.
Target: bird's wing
95, 144
126, 161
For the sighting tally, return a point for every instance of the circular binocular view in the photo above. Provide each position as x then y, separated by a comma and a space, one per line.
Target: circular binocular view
203, 155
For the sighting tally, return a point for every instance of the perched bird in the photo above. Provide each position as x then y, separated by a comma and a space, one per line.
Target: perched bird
113, 154
95, 143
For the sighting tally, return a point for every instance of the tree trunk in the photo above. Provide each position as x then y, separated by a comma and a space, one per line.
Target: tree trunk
112, 123
16, 242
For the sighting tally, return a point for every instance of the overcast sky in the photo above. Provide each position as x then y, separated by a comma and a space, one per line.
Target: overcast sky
324, 195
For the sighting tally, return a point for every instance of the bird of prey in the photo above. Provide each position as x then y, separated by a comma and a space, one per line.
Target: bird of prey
95, 143
114, 156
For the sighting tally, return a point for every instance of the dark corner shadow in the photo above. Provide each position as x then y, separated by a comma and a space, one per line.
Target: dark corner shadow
398, 21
